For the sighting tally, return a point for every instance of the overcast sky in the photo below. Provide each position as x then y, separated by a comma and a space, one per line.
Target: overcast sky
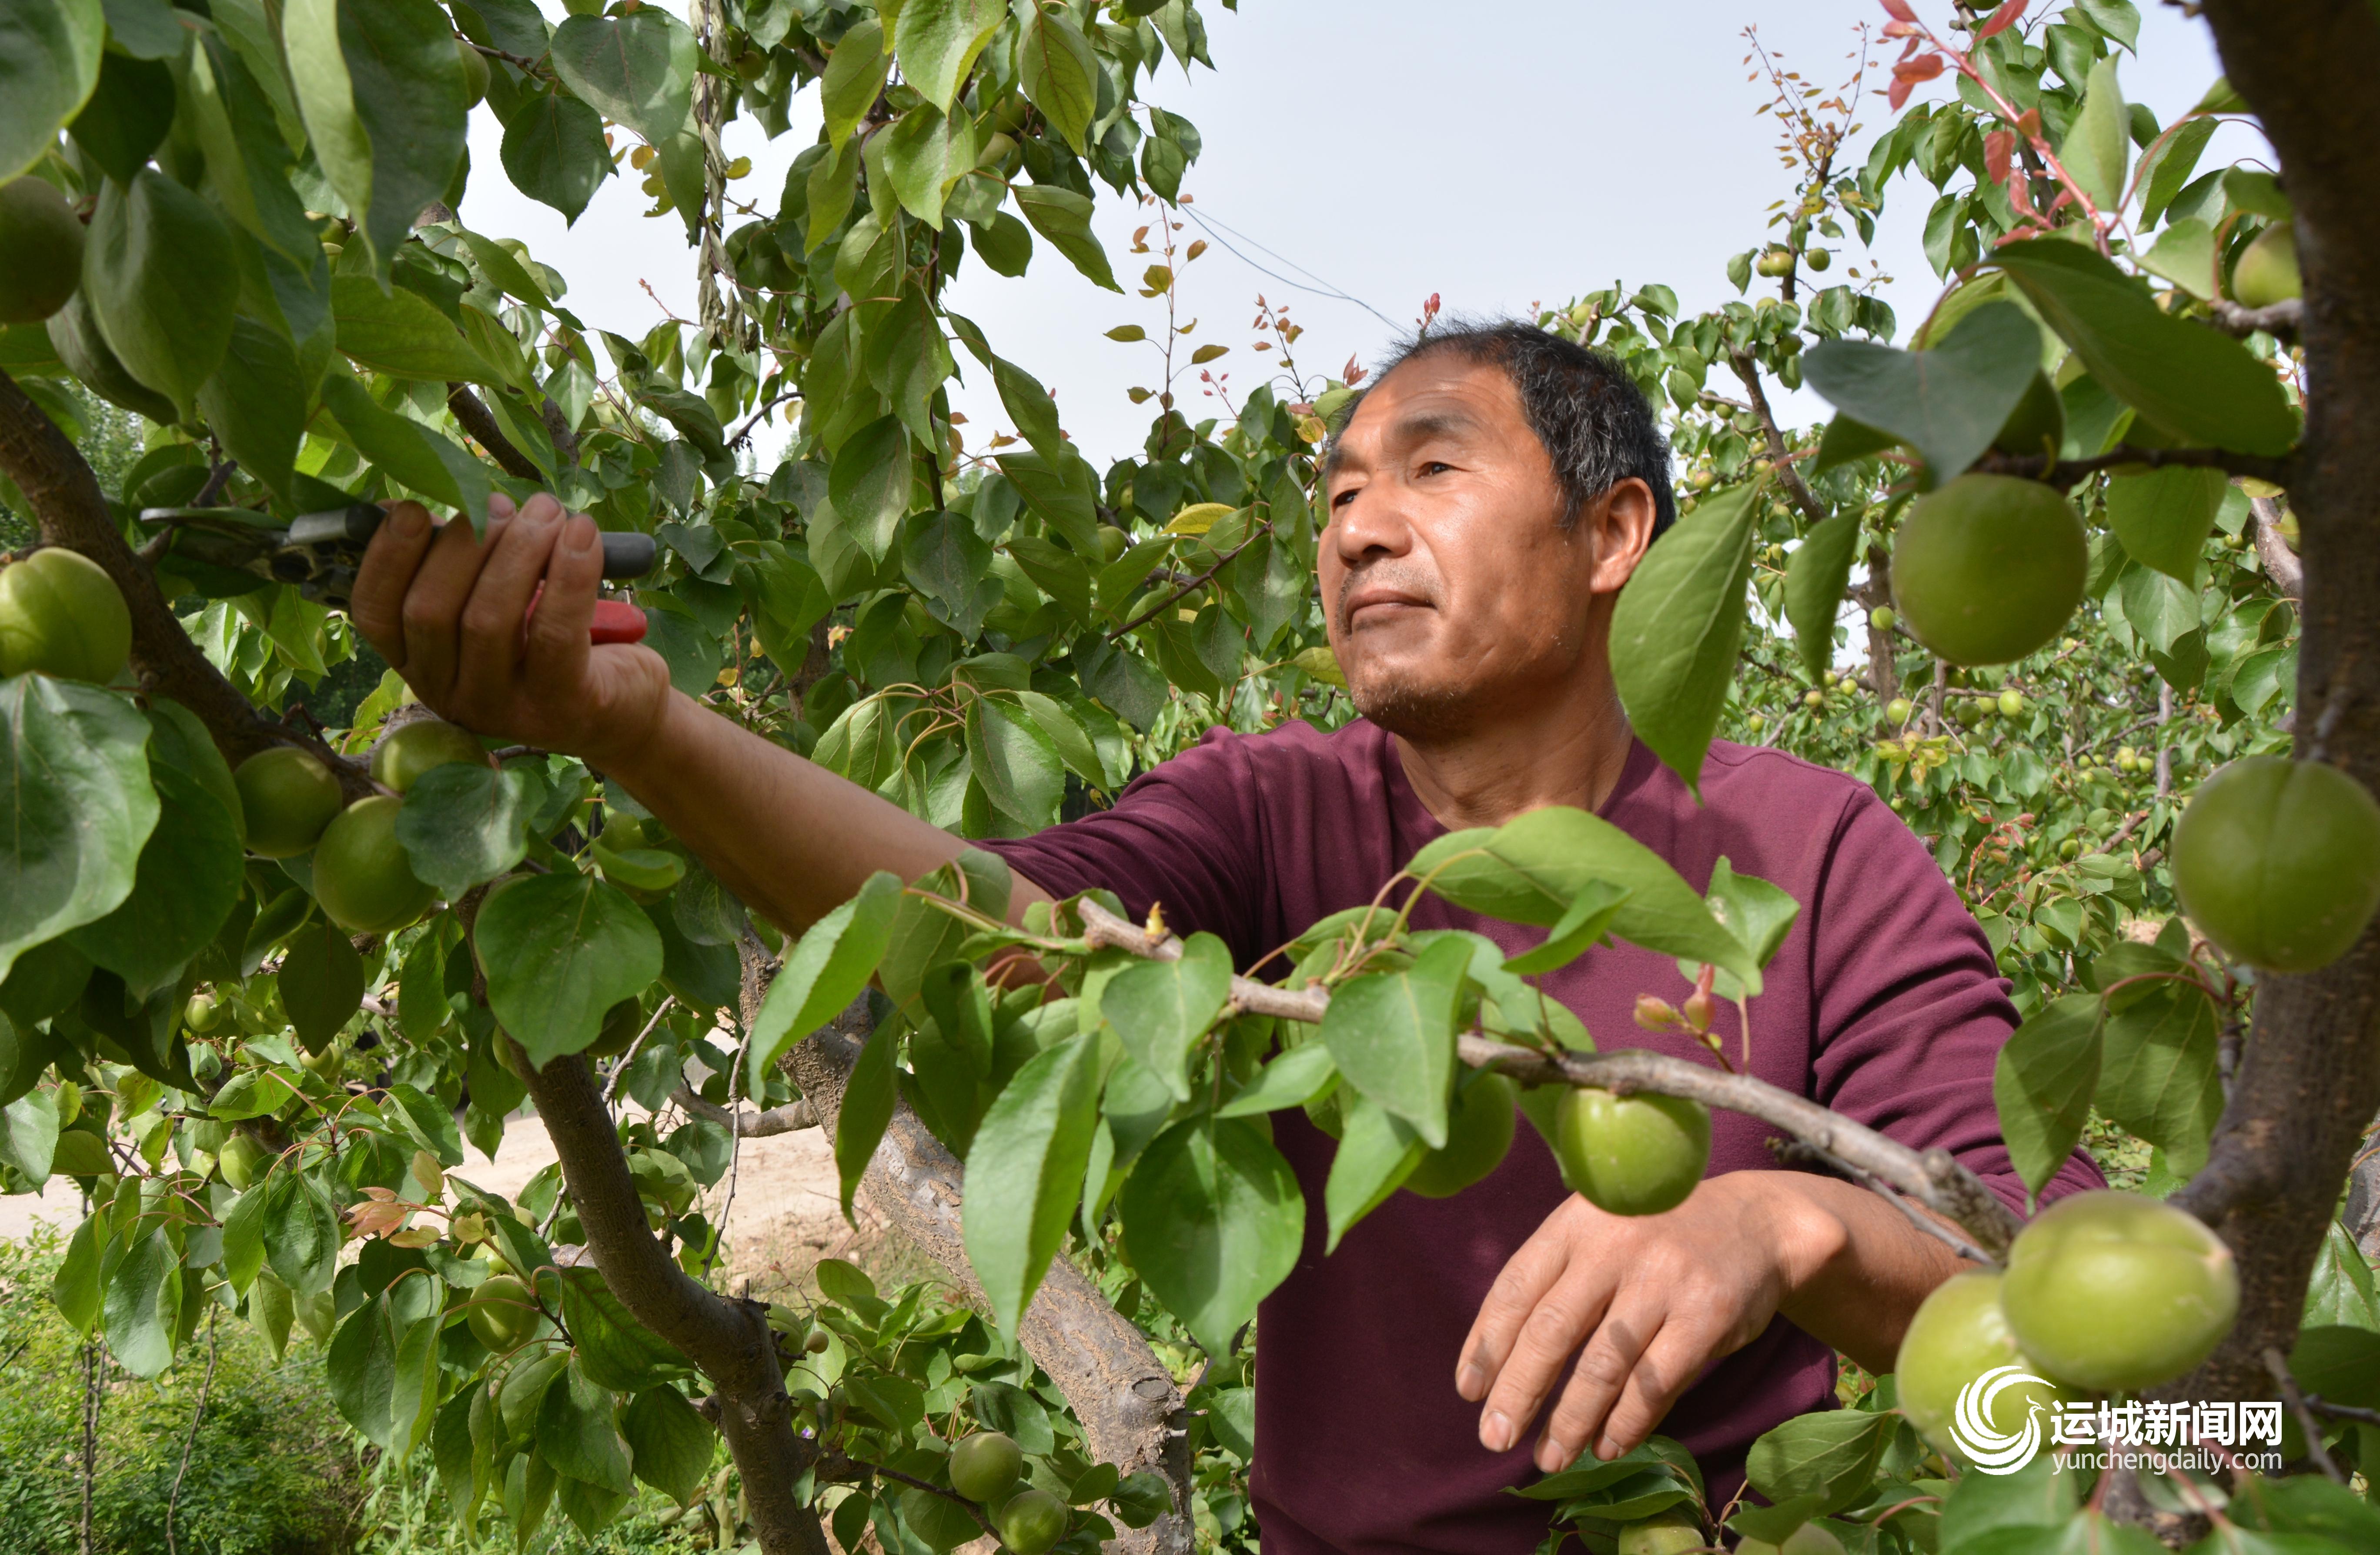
1385, 149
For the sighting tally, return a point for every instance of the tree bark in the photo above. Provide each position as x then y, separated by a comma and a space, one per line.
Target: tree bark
1131, 1410
2311, 1079
73, 512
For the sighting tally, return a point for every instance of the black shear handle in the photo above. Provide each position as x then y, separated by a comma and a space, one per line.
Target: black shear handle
626, 553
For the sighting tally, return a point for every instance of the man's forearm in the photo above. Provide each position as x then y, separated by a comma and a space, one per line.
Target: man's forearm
1870, 1271
788, 837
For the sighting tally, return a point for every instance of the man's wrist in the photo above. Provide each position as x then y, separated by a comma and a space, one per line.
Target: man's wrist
1804, 1234
634, 748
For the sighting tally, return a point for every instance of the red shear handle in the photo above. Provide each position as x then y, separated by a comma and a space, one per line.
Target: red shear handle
615, 620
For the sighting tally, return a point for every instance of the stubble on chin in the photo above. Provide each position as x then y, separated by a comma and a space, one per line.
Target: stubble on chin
1412, 706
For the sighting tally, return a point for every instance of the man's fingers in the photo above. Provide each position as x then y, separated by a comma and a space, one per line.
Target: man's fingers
433, 606
491, 622
389, 562
1627, 1360
1562, 1319
556, 657
1528, 1275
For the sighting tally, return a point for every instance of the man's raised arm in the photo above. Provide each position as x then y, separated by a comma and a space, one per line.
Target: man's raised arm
788, 837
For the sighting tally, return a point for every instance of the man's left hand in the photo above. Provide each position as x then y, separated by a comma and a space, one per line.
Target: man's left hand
1654, 1299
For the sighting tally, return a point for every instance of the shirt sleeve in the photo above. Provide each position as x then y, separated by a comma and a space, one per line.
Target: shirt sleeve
1183, 835
1911, 1010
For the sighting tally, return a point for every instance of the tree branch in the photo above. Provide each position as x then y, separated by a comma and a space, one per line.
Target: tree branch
791, 1117
1779, 459
2281, 564
2280, 320
73, 513
1161, 606
475, 418
1932, 1178
2066, 472
730, 1341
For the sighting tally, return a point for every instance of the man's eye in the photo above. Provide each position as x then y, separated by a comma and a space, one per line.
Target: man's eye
1432, 466
1342, 498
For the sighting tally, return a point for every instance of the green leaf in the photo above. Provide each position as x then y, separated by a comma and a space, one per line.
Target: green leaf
161, 278
1293, 1079
1065, 218
574, 1431
427, 461
1025, 1173
2340, 1290
1213, 1219
869, 485
2158, 1074
2164, 516
1074, 746
671, 1446
126, 117
399, 332
1830, 1455
855, 75
257, 402
28, 1134
430, 1122
1377, 1152
2185, 254
382, 92
2043, 1083
1064, 491
553, 150
1947, 402
1578, 931
321, 983
1815, 580
75, 1287
184, 887
2187, 379
917, 155
1014, 761
50, 53
251, 1093
559, 951
614, 1349
1030, 405
1061, 75
465, 823
1393, 1035
301, 1233
1758, 914
823, 973
636, 69
2098, 147
937, 43
1678, 625
1162, 1008
866, 1110
2342, 1364
144, 1297
76, 806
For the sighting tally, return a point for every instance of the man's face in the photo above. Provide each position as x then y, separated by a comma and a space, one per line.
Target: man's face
1453, 591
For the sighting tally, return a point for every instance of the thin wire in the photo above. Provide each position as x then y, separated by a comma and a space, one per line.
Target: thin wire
1326, 289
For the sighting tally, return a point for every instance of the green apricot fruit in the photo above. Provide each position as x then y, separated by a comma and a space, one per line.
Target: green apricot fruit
362, 877
1883, 618
1807, 1539
1818, 258
1958, 1334
2279, 861
2267, 271
201, 1014
2011, 704
1988, 568
411, 749
1631, 1155
1478, 1132
622, 1023
61, 614
475, 73
1774, 264
1031, 1522
502, 1313
1899, 710
1670, 1533
2112, 1291
2037, 426
241, 1160
288, 797
1813, 699
983, 1466
1113, 542
40, 251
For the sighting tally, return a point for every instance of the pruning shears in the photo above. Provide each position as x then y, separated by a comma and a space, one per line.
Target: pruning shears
225, 552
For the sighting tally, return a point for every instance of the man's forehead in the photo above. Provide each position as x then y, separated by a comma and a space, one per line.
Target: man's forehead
1438, 396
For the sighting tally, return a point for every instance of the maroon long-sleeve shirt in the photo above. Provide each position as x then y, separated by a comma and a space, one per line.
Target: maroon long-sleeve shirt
1883, 1004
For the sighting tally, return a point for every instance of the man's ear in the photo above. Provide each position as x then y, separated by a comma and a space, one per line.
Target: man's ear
1621, 524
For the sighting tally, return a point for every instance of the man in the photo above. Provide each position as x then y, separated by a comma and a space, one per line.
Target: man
1487, 499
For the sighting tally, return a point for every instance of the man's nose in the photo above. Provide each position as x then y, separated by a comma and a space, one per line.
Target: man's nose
1370, 525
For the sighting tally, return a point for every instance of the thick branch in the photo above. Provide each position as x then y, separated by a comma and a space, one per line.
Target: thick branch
1131, 1410
72, 511
1933, 1178
480, 423
791, 1117
2280, 320
729, 1340
2066, 472
2281, 564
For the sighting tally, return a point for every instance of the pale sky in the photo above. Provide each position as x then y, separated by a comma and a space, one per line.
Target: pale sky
1389, 149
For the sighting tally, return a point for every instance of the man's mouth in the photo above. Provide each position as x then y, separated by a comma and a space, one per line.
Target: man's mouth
1373, 604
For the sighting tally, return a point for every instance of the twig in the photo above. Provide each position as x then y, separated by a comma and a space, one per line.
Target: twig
217, 478
843, 1467
520, 62
2321, 1405
1803, 1150
473, 414
173, 1497
2066, 472
1779, 459
734, 1164
2280, 320
735, 440
1933, 1178
612, 1085
2279, 1368
1161, 606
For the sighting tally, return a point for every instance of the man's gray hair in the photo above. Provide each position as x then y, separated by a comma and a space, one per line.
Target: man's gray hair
1595, 423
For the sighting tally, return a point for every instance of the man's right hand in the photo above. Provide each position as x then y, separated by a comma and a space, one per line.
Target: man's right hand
446, 609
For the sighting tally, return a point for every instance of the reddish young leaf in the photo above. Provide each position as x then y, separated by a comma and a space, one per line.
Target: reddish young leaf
1899, 10
2003, 18
2000, 148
